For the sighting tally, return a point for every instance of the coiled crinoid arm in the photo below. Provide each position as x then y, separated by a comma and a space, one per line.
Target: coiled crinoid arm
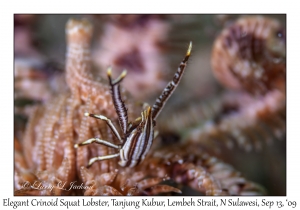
250, 55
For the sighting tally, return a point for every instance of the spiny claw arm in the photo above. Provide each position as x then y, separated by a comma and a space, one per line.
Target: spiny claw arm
169, 89
117, 99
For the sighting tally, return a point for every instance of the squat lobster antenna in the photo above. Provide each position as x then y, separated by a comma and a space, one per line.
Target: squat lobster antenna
170, 88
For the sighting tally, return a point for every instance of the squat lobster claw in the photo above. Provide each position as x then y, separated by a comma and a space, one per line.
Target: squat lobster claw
137, 138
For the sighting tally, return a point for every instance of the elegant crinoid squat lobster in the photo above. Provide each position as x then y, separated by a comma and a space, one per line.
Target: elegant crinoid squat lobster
137, 137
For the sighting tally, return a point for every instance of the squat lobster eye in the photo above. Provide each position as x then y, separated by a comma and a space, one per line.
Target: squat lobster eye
136, 139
